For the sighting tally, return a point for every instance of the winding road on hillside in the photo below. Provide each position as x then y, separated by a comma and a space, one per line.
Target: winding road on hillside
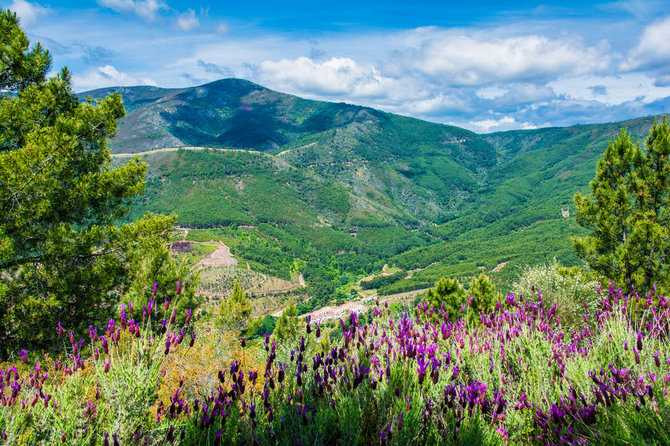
174, 149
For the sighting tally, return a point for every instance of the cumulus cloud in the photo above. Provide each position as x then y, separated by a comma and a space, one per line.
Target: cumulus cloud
336, 76
27, 12
466, 61
145, 9
490, 92
441, 103
482, 78
107, 76
187, 21
498, 125
652, 53
653, 50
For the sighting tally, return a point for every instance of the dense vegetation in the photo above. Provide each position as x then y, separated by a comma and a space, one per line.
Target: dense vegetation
628, 212
106, 342
63, 255
349, 188
509, 376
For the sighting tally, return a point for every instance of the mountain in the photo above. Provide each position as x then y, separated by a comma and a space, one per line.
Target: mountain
347, 188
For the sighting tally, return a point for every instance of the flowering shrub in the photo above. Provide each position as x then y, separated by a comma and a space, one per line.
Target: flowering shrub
518, 377
573, 290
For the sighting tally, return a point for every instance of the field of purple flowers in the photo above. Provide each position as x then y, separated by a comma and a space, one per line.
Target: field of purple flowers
513, 377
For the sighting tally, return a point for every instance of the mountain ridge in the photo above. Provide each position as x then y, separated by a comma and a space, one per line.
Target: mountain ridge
355, 187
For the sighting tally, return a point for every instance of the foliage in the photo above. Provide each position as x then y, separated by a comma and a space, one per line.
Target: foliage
448, 296
234, 311
109, 387
62, 254
392, 380
380, 281
159, 262
628, 212
482, 296
286, 327
267, 326
573, 290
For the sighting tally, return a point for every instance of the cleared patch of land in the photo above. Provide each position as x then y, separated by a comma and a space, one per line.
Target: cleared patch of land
219, 257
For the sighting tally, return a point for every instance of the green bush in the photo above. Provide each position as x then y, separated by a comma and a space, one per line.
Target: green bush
573, 290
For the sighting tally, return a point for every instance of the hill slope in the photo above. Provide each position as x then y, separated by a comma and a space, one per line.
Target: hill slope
347, 188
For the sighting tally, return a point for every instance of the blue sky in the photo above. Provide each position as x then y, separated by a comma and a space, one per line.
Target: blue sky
484, 65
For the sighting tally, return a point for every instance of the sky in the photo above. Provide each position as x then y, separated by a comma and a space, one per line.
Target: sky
485, 65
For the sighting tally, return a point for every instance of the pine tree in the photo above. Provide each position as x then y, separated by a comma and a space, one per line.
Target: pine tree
628, 212
234, 311
63, 254
450, 293
286, 328
483, 297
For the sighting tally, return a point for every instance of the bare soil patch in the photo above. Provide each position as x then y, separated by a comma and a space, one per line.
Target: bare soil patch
220, 257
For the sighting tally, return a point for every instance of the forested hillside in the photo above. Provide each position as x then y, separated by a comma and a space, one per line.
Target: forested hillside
347, 188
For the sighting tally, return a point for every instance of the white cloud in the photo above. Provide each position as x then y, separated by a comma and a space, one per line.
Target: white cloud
652, 53
618, 90
145, 9
187, 21
437, 104
465, 61
222, 28
653, 50
497, 125
27, 12
338, 76
107, 76
485, 78
490, 92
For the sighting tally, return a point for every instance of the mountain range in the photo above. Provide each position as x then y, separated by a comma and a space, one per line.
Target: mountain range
343, 189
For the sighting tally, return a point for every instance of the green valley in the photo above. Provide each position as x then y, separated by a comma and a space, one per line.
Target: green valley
335, 191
